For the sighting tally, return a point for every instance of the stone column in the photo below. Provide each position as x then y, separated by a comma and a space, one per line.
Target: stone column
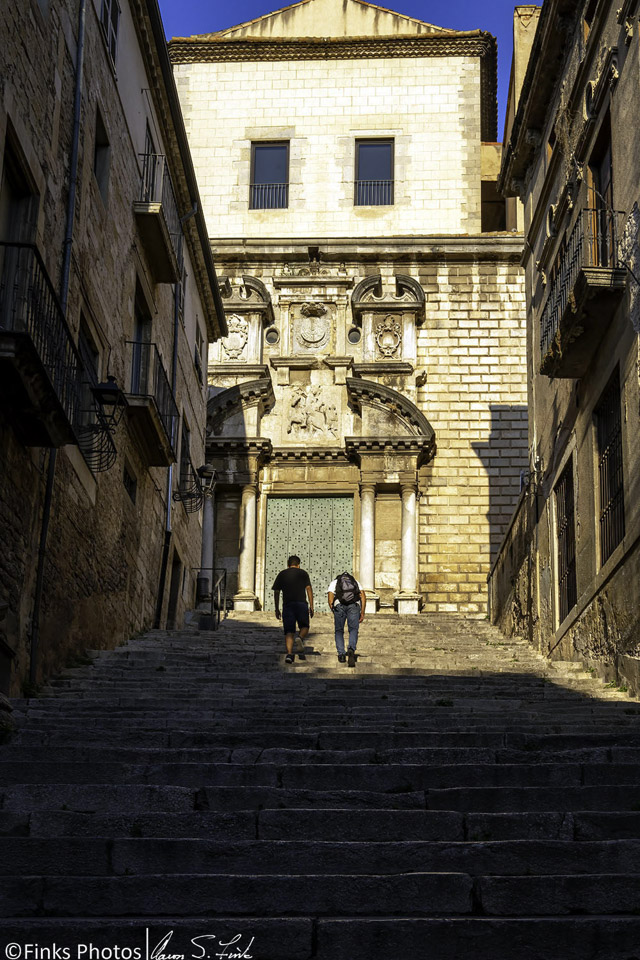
208, 552
408, 600
368, 544
245, 598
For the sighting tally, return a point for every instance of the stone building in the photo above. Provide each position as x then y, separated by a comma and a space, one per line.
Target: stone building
568, 575
105, 271
368, 408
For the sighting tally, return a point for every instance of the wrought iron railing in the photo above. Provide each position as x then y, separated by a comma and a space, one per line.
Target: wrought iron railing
29, 304
147, 378
212, 589
593, 242
374, 193
269, 196
189, 492
610, 468
156, 187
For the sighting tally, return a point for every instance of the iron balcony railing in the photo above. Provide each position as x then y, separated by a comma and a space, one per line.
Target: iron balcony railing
593, 242
269, 196
374, 193
29, 304
149, 379
156, 187
189, 492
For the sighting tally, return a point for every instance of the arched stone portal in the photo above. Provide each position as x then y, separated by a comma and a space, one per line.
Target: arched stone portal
322, 462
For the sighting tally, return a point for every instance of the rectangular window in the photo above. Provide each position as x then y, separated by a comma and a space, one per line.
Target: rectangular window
374, 173
185, 456
101, 156
198, 351
110, 20
601, 215
565, 514
130, 483
269, 176
610, 474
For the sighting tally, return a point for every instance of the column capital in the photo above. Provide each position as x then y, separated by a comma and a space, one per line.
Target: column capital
367, 486
408, 486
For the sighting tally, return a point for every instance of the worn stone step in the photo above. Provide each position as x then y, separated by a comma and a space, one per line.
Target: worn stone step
552, 895
422, 894
513, 799
130, 857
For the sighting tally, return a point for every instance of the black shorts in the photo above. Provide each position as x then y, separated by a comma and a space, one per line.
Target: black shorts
292, 613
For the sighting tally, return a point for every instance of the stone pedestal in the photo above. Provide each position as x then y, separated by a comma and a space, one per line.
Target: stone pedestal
245, 599
408, 600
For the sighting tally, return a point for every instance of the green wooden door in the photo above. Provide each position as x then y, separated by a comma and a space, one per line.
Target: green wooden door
319, 530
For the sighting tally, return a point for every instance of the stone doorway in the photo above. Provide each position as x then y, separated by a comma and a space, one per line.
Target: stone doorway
319, 530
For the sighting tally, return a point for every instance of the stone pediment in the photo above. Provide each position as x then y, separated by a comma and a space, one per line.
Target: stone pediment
370, 295
248, 295
386, 413
331, 18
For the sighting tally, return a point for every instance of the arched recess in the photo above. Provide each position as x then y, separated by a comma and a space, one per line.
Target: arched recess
235, 412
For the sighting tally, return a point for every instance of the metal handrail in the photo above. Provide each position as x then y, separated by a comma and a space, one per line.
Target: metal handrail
148, 378
156, 187
593, 242
373, 193
217, 595
29, 304
269, 196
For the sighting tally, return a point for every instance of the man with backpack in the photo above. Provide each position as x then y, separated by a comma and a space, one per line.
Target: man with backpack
348, 600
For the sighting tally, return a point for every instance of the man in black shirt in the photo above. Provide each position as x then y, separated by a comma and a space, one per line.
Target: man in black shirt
295, 586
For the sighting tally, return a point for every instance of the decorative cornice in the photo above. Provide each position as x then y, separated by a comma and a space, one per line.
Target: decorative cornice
291, 454
240, 445
334, 362
296, 363
475, 44
422, 447
312, 280
380, 367
257, 371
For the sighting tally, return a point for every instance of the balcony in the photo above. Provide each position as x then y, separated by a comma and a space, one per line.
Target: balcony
189, 492
40, 369
374, 193
269, 196
158, 220
150, 404
588, 284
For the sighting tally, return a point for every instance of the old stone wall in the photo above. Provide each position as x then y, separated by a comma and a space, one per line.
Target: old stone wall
105, 543
429, 106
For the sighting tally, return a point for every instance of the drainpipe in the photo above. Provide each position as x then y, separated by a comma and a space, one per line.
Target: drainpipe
168, 528
64, 297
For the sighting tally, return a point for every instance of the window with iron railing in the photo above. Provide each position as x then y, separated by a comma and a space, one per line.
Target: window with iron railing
269, 189
610, 468
566, 539
148, 378
374, 173
156, 187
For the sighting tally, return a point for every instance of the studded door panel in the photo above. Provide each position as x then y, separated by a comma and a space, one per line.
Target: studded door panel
319, 530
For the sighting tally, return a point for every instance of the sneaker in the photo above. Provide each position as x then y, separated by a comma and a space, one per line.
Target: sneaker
289, 658
298, 644
342, 658
351, 655
302, 655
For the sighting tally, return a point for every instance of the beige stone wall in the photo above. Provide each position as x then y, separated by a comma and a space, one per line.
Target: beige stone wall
472, 348
430, 106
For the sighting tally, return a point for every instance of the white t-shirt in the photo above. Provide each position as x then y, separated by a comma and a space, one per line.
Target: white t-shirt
332, 589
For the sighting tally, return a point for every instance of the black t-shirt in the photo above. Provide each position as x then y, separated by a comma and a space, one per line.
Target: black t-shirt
292, 582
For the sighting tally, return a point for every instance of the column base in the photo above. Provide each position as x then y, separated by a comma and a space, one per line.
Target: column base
408, 603
373, 602
245, 602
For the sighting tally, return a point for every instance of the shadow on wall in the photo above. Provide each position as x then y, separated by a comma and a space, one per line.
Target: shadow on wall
504, 456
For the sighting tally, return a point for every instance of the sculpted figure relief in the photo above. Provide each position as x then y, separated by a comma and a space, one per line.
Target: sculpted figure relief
309, 414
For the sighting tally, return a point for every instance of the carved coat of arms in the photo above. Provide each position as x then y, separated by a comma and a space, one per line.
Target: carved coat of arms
388, 334
312, 329
234, 344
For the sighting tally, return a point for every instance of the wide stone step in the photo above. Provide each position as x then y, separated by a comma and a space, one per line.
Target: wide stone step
450, 938
131, 857
421, 894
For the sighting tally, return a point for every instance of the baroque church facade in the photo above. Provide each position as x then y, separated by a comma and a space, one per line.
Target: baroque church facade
367, 409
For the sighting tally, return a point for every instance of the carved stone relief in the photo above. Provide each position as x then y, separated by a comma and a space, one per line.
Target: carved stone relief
388, 337
310, 416
311, 327
234, 345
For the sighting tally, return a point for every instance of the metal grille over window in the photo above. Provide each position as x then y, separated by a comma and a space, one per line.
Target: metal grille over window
110, 19
610, 472
374, 173
566, 541
269, 176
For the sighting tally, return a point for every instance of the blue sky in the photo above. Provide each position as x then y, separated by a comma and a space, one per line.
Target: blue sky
186, 17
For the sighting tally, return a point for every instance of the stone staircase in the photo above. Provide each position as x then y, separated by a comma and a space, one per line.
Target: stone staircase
453, 796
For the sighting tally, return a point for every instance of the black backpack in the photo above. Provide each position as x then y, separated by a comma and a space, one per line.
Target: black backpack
347, 589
